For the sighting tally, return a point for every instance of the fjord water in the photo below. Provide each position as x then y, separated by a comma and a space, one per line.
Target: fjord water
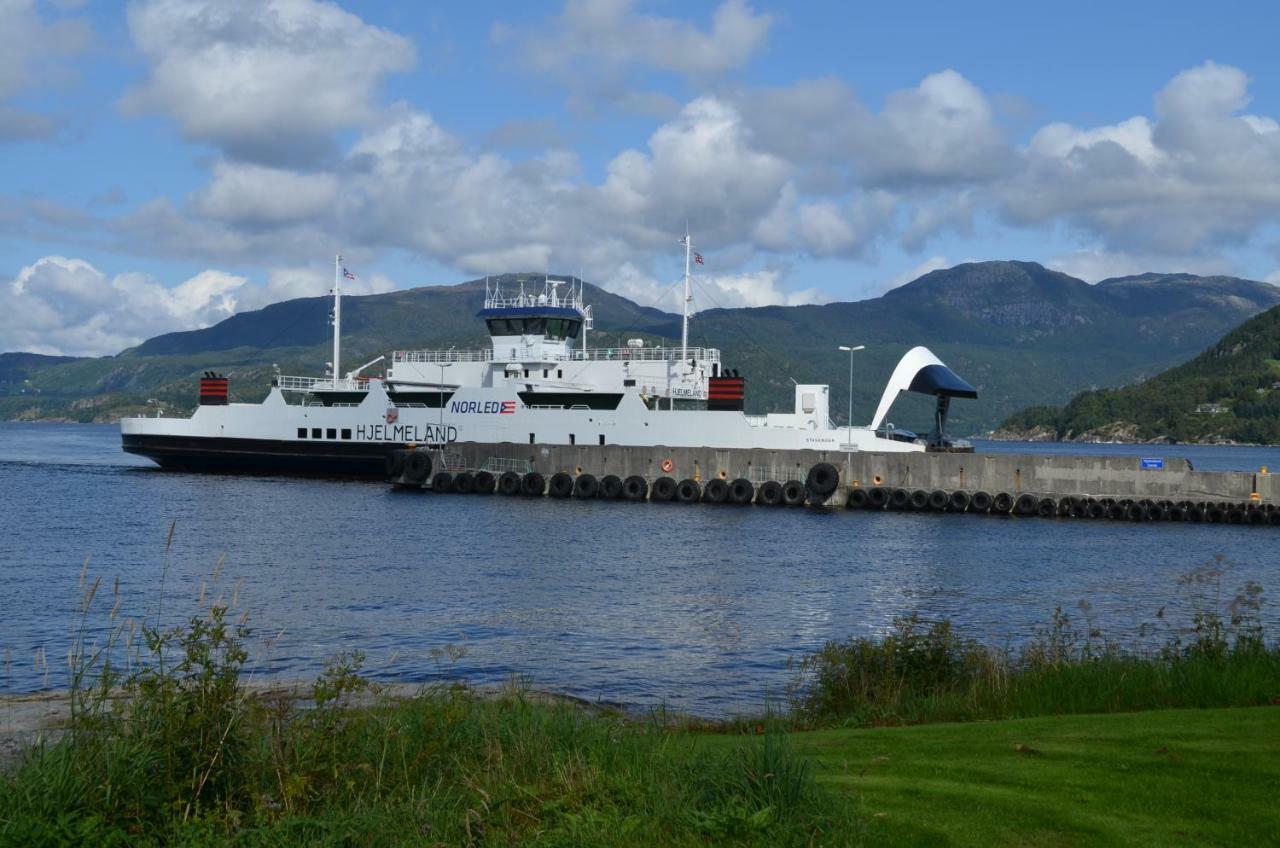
699, 608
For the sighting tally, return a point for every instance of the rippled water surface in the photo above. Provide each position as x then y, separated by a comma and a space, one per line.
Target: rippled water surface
697, 607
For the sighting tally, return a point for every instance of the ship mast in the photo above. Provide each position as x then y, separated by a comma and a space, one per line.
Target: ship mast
684, 333
337, 315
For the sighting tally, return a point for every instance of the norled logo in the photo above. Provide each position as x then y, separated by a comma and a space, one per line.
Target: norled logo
483, 407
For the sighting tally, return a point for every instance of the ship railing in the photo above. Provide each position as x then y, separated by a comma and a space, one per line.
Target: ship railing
438, 356
648, 354
320, 384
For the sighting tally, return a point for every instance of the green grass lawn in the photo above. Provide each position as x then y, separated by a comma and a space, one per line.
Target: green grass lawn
1173, 777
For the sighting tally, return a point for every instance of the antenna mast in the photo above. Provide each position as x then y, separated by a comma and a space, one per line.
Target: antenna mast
684, 334
337, 315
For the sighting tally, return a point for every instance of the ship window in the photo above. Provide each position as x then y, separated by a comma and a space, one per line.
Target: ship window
315, 432
602, 439
346, 432
302, 432
535, 326
628, 382
573, 439
530, 438
331, 433
545, 372
526, 373
559, 374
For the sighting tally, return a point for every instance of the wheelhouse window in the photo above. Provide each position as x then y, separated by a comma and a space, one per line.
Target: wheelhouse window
552, 328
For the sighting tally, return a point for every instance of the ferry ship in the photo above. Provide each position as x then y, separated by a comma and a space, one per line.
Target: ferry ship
537, 383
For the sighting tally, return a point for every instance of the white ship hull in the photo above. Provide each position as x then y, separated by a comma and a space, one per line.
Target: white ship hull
354, 440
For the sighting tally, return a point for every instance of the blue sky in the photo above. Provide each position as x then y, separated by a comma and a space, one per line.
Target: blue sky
167, 163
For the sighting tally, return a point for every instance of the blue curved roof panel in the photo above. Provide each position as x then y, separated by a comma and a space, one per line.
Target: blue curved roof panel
940, 380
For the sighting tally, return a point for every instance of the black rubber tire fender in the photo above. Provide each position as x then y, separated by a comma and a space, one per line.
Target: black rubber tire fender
823, 480
741, 491
1046, 508
980, 502
858, 498
611, 486
1097, 509
1214, 514
1158, 511
938, 500
634, 488
688, 491
877, 497
393, 463
664, 489
1176, 513
586, 486
485, 482
959, 501
1025, 504
1066, 508
533, 485
1002, 503
716, 491
793, 493
900, 499
1236, 515
919, 499
442, 482
464, 483
417, 466
1273, 518
1255, 516
560, 485
1136, 512
509, 483
1195, 513
770, 493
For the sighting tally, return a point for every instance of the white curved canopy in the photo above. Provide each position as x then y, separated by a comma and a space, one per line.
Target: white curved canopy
942, 380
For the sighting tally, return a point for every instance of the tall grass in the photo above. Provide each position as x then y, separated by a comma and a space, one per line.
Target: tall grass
173, 747
926, 671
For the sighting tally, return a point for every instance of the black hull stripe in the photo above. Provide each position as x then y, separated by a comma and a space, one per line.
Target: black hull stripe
262, 456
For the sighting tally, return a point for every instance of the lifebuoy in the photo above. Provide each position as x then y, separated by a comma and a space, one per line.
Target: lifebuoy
668, 466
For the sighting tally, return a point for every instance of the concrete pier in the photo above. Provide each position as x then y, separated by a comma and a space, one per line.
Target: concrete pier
1119, 477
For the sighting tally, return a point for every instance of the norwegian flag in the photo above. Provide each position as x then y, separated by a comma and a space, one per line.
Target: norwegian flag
348, 274
697, 257
508, 407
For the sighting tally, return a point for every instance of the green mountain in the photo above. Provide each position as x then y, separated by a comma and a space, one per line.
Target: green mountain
1022, 334
1229, 392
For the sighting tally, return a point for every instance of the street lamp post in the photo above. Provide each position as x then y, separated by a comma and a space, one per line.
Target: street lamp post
849, 420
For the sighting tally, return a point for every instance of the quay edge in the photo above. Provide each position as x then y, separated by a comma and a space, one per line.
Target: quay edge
1043, 475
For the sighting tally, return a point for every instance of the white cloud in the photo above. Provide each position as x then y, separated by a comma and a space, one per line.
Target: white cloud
61, 305
1093, 265
611, 34
265, 80
260, 196
763, 287
1199, 177
30, 48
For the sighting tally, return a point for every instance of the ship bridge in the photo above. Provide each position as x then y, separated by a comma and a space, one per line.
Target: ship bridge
538, 342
